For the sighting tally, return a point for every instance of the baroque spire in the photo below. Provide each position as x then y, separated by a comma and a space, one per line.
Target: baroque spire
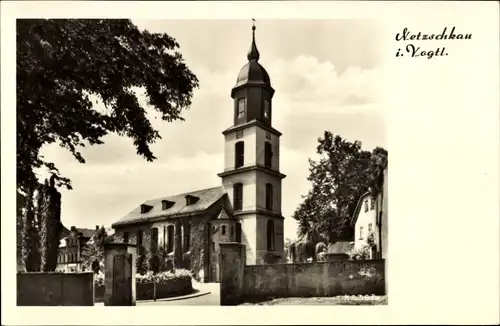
253, 54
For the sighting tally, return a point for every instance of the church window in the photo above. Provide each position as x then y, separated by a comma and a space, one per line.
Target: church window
267, 109
187, 236
238, 196
239, 150
125, 237
269, 196
366, 205
241, 107
238, 232
154, 239
270, 235
139, 238
268, 154
170, 238
223, 230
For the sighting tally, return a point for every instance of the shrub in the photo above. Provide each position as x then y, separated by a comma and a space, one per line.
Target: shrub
360, 253
162, 277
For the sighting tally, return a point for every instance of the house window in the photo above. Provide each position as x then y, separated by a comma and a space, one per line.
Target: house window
223, 230
238, 232
239, 154
238, 196
372, 203
267, 109
366, 205
170, 238
270, 235
369, 227
360, 233
269, 196
139, 238
241, 107
268, 154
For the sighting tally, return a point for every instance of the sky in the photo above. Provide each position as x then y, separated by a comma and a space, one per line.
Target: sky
326, 74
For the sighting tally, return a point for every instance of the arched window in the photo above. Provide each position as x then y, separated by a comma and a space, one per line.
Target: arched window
239, 154
170, 238
139, 238
269, 196
270, 235
223, 230
241, 107
154, 239
268, 155
238, 196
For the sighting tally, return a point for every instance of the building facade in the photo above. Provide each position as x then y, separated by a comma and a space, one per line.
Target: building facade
69, 258
187, 228
370, 221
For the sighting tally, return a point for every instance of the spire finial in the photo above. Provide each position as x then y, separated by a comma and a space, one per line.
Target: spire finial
253, 54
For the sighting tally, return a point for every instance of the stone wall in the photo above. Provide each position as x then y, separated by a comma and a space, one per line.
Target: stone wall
55, 289
320, 279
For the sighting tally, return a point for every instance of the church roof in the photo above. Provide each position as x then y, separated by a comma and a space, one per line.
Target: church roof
205, 199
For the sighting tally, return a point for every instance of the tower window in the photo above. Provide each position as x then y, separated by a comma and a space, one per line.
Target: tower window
270, 235
238, 196
239, 150
241, 107
269, 196
267, 109
268, 154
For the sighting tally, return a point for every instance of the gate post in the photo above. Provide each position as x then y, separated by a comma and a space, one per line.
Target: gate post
119, 274
232, 263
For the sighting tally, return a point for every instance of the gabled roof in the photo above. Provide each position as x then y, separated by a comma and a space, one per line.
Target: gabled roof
224, 215
207, 197
354, 216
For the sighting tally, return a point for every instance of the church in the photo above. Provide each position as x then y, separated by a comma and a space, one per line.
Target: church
246, 208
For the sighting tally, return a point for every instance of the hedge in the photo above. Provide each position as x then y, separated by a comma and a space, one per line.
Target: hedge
168, 284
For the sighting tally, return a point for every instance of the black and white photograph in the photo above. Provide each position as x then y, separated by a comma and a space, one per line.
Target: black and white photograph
190, 159
241, 168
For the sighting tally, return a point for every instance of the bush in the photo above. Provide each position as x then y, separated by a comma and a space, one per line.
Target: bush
360, 253
162, 277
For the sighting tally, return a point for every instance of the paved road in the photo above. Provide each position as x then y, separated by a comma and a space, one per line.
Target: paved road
212, 299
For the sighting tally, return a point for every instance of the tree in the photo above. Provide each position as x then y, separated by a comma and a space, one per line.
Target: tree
30, 236
93, 252
49, 215
341, 175
62, 64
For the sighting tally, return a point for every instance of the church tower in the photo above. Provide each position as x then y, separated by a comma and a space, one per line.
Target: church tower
251, 174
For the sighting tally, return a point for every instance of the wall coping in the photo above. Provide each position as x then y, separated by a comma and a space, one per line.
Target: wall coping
53, 273
365, 261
